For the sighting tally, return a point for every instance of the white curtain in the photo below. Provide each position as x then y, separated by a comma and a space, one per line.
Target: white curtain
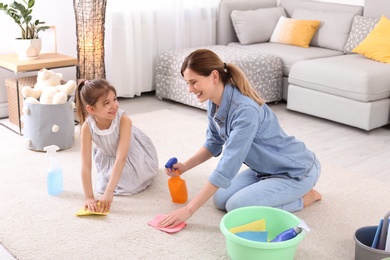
137, 32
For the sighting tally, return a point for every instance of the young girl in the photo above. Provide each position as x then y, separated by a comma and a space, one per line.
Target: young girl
125, 158
281, 170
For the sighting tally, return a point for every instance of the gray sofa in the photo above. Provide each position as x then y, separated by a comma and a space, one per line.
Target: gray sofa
324, 80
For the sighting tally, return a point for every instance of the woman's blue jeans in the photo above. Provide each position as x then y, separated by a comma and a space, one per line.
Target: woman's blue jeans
249, 189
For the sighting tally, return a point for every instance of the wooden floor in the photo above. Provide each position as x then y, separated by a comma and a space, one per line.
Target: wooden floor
336, 145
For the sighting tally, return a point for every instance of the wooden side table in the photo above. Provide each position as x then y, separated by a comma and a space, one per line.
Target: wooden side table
45, 60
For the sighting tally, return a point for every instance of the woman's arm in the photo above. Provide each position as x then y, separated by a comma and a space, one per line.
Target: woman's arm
199, 157
121, 155
180, 215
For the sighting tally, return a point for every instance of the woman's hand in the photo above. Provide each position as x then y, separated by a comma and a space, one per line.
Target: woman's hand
91, 204
105, 201
177, 169
175, 218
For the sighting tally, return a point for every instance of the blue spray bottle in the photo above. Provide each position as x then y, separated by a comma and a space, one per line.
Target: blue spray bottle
292, 232
54, 174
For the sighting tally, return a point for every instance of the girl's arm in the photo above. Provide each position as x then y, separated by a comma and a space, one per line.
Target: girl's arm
86, 167
121, 155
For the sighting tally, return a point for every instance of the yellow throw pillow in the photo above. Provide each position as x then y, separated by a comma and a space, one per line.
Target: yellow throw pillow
294, 32
376, 45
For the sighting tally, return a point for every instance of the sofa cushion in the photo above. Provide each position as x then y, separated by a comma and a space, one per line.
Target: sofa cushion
361, 27
376, 8
253, 26
376, 45
333, 30
350, 76
289, 53
225, 31
294, 32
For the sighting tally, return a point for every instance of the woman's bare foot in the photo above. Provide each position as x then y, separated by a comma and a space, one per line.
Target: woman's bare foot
311, 197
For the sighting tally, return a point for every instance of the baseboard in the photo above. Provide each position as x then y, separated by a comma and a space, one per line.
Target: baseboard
3, 110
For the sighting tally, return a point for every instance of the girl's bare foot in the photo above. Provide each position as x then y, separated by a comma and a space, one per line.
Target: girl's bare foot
311, 197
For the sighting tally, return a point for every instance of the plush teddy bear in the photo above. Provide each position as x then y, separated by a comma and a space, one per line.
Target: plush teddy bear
47, 78
48, 89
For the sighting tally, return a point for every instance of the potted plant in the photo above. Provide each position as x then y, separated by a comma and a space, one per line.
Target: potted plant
28, 46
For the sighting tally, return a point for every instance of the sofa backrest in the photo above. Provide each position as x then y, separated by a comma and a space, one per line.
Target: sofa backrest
290, 5
336, 20
377, 8
225, 29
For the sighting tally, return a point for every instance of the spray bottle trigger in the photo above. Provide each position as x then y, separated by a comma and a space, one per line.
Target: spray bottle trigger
171, 162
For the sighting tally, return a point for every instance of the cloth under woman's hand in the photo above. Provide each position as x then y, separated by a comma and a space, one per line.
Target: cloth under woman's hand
175, 218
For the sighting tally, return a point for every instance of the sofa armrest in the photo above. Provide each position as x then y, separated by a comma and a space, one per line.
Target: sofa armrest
225, 29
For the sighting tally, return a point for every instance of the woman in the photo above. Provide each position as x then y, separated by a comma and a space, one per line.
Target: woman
281, 170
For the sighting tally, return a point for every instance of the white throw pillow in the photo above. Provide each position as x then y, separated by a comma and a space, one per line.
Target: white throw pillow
254, 26
294, 32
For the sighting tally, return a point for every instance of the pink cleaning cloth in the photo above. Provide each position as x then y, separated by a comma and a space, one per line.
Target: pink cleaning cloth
158, 218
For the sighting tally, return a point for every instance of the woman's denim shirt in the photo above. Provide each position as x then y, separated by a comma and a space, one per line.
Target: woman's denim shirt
249, 133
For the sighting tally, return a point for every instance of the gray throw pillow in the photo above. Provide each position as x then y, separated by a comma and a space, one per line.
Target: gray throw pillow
333, 30
254, 26
361, 27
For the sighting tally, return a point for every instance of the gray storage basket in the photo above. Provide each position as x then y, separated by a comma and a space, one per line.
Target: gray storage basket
49, 124
363, 239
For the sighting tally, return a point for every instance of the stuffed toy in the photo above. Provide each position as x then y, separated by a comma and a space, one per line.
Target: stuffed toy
47, 78
45, 124
48, 89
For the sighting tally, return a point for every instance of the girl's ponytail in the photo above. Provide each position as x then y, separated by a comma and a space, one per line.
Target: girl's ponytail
80, 108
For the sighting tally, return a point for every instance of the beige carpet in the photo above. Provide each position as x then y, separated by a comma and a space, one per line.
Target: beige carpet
34, 225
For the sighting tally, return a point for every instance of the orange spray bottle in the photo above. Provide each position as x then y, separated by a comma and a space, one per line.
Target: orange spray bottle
177, 186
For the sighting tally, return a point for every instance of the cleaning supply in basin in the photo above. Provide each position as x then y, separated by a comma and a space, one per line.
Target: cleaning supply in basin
257, 225
254, 231
292, 232
177, 186
54, 174
258, 236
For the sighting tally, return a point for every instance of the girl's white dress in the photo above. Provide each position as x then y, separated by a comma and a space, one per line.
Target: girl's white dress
141, 164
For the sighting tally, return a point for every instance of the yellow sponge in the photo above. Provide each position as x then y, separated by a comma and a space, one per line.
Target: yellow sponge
258, 225
83, 212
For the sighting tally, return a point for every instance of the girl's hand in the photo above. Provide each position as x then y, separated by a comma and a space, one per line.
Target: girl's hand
105, 201
175, 218
91, 204
176, 170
